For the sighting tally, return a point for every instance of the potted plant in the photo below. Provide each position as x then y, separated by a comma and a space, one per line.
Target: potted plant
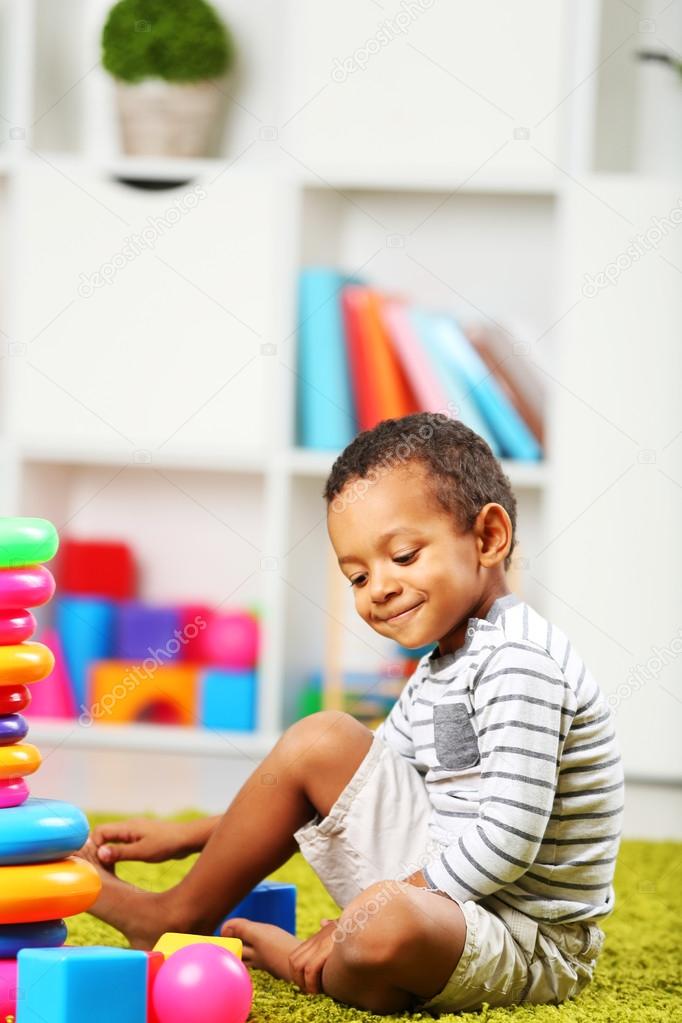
167, 57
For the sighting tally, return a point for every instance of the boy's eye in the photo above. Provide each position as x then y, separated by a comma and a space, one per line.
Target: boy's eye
399, 559
405, 559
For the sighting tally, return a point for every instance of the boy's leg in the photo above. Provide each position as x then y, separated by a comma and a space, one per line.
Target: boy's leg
394, 945
303, 775
400, 953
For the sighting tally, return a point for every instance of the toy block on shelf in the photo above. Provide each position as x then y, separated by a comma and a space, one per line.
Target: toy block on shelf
230, 640
227, 699
86, 631
78, 985
194, 620
97, 568
270, 902
145, 631
121, 692
53, 697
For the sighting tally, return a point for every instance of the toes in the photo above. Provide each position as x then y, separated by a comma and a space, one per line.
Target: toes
237, 927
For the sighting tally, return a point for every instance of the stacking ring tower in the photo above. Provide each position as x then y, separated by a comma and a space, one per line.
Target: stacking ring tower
40, 880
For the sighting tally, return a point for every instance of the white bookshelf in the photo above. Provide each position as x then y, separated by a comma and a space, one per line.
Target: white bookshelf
95, 472
160, 408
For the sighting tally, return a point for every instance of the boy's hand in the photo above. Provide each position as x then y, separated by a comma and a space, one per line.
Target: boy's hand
307, 961
141, 839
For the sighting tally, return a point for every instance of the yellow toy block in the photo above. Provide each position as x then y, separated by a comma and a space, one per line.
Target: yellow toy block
172, 941
122, 692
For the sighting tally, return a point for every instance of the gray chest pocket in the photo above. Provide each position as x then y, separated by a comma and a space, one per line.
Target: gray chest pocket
455, 739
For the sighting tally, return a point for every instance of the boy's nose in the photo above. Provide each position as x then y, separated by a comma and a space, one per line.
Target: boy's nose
382, 587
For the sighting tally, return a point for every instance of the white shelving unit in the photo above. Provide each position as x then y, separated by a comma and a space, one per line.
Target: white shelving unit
159, 405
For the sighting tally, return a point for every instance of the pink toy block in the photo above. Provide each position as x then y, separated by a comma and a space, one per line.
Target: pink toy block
53, 696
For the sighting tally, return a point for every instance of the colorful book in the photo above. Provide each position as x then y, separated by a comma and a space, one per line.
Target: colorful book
428, 387
325, 412
514, 437
380, 386
518, 387
460, 404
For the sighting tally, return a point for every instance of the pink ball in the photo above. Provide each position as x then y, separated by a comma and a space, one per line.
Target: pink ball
230, 640
202, 983
8, 987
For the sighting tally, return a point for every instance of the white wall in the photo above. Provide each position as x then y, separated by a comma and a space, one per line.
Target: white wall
614, 549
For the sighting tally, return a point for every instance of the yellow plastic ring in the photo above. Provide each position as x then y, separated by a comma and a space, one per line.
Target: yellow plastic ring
47, 891
23, 663
19, 760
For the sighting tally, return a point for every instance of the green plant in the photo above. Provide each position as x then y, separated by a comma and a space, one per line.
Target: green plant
178, 40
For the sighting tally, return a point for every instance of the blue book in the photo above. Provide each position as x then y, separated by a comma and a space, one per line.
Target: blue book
453, 380
325, 411
513, 435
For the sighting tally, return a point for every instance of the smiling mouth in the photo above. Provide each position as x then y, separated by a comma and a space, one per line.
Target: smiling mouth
402, 615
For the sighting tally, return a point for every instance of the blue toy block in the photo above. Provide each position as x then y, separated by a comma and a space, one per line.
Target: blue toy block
79, 985
144, 631
86, 629
227, 699
41, 830
270, 902
45, 934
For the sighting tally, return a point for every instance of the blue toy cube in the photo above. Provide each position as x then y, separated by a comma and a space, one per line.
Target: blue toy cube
227, 699
270, 902
144, 631
86, 629
79, 985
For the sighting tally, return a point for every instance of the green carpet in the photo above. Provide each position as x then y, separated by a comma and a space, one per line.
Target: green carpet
638, 979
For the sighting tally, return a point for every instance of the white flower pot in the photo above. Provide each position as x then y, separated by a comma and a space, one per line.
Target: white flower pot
159, 118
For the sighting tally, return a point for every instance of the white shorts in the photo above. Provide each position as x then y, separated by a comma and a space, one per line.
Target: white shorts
378, 830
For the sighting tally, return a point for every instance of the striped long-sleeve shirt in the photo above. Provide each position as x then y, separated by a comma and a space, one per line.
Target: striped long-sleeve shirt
517, 749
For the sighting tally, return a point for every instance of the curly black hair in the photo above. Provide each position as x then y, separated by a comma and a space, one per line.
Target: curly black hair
464, 473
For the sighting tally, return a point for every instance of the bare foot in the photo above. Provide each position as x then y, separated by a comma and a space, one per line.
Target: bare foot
138, 914
266, 947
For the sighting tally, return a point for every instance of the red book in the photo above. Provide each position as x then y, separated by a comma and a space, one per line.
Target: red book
380, 386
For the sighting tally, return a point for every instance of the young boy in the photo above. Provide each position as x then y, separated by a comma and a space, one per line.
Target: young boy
471, 841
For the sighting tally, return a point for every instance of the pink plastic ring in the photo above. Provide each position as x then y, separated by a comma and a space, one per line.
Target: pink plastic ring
25, 587
16, 626
13, 792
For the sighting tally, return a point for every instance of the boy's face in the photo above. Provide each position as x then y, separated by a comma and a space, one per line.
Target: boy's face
416, 576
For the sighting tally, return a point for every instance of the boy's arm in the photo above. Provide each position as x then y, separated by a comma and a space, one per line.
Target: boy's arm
523, 709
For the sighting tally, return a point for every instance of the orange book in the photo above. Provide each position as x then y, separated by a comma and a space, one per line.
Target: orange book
381, 388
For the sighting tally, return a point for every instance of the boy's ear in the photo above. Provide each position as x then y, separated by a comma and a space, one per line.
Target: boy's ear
493, 531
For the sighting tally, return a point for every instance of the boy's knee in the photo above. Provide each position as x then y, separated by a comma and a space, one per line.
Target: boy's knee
377, 929
316, 738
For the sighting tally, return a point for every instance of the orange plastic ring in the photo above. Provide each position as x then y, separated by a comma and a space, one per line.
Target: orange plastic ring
19, 760
23, 663
47, 891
